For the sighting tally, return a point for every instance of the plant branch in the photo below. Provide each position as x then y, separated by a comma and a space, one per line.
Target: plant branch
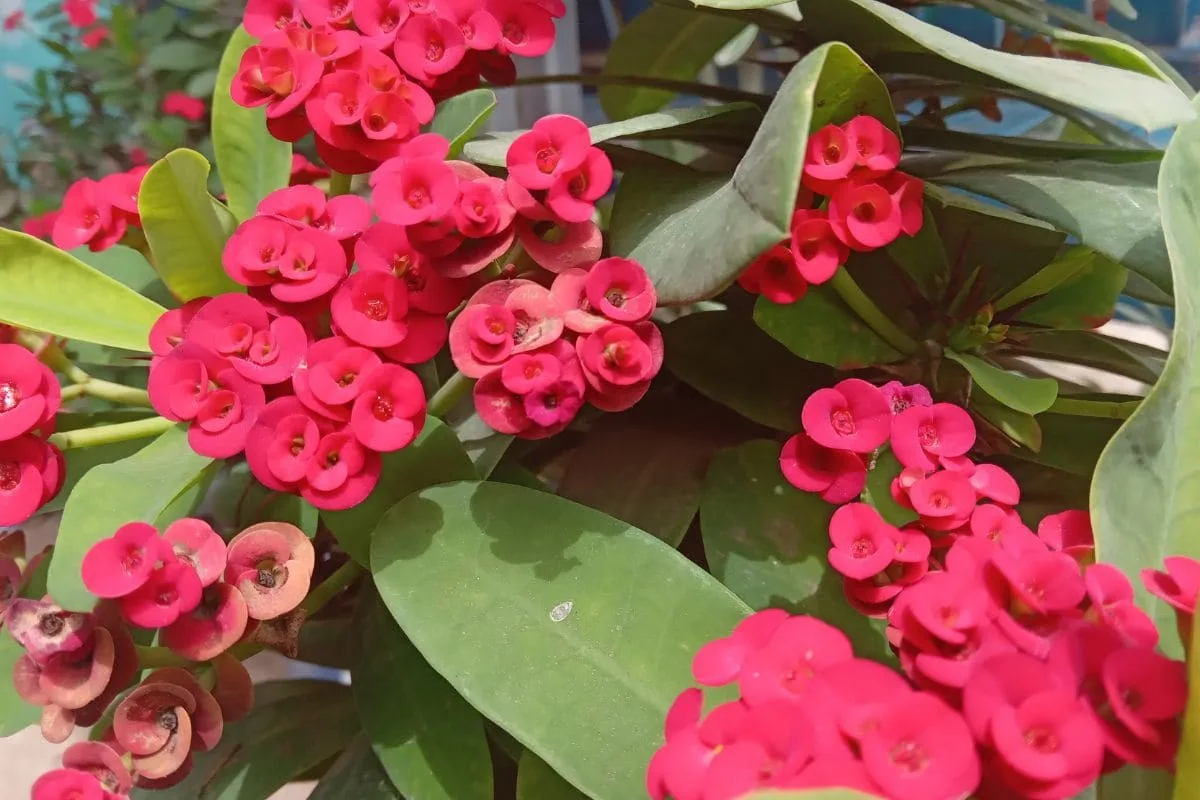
853, 296
110, 434
682, 87
447, 397
107, 390
339, 183
1105, 409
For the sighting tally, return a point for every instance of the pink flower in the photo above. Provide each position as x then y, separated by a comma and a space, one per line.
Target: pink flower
68, 784
995, 483
526, 28
619, 361
1111, 596
262, 349
344, 217
370, 308
31, 473
88, 218
80, 13
921, 434
921, 749
332, 377
863, 544
181, 104
864, 216
619, 289
283, 443
389, 411
336, 13
829, 158
385, 247
944, 500
212, 627
838, 475
95, 37
45, 630
102, 762
281, 78
41, 226
783, 667
271, 564
428, 45
720, 661
1070, 532
556, 145
775, 275
534, 395
482, 208
305, 173
853, 415
295, 265
816, 250
877, 148
263, 17
557, 247
379, 20
195, 543
408, 191
30, 395
13, 21
168, 330
903, 397
122, 563
358, 126
502, 319
154, 724
569, 292
1178, 586
572, 197
172, 589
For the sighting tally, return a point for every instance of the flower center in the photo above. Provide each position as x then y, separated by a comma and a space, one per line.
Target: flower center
265, 578
1042, 740
908, 756
842, 421
376, 309
132, 559
166, 596
347, 379
547, 159
939, 500
10, 476
514, 32
616, 297
927, 435
865, 212
51, 625
833, 153
417, 197
168, 720
809, 249
434, 50
382, 408
862, 547
8, 397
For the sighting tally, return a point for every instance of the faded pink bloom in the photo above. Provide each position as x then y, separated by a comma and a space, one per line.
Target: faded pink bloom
271, 564
212, 627
195, 543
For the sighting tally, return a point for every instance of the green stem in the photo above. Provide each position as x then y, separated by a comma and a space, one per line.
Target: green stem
107, 390
110, 434
52, 355
155, 657
1105, 409
853, 296
339, 183
682, 87
447, 397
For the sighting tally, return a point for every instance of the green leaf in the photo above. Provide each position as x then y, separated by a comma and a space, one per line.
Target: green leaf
15, 713
139, 487
729, 359
238, 501
1187, 769
428, 739
537, 781
1018, 392
899, 42
1111, 207
821, 328
202, 84
183, 227
605, 615
767, 541
878, 491
1055, 274
251, 162
1018, 426
693, 232
484, 446
130, 268
1146, 494
1138, 361
436, 456
917, 135
1072, 444
460, 117
80, 461
331, 643
661, 42
180, 55
1104, 50
356, 775
36, 281
923, 258
646, 466
1084, 301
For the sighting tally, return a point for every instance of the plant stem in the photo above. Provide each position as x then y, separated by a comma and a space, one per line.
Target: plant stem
1105, 409
155, 657
683, 87
339, 183
876, 320
107, 390
110, 434
447, 397
48, 351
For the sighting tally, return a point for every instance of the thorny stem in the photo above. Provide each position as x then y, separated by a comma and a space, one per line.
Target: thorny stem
110, 434
49, 352
1106, 409
876, 320
447, 397
339, 183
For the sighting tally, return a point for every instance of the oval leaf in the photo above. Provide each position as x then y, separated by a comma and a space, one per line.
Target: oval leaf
356, 775
1018, 392
183, 227
536, 781
567, 607
694, 232
1146, 488
36, 281
428, 739
821, 328
436, 456
251, 162
460, 117
661, 42
767, 541
15, 713
139, 487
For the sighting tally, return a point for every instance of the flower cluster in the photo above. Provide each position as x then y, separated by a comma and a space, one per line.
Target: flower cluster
364, 76
865, 203
98, 213
32, 469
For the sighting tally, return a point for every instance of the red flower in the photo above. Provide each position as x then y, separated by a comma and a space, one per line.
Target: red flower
1070, 532
863, 544
503, 319
572, 198
95, 37
944, 500
41, 226
783, 667
534, 395
87, 217
408, 191
922, 433
31, 474
903, 397
263, 17
390, 409
775, 275
263, 349
172, 589
838, 475
829, 158
30, 395
358, 126
304, 172
921, 749
876, 147
864, 215
181, 104
526, 28
619, 361
14, 20
344, 217
293, 265
428, 45
556, 146
68, 784
817, 251
853, 415
80, 13
212, 627
281, 78
380, 20
196, 544
122, 563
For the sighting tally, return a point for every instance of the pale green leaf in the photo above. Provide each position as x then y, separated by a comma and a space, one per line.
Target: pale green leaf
460, 117
1018, 392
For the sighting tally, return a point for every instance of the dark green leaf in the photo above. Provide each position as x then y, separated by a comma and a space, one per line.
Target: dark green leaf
1072, 444
180, 55
251, 162
1144, 501
1018, 392
878, 491
183, 227
202, 84
36, 277
729, 359
1138, 361
767, 541
460, 117
537, 781
139, 487
435, 457
239, 501
356, 775
922, 136
333, 643
694, 233
484, 446
605, 615
923, 258
428, 739
1084, 301
821, 328
661, 42
1018, 426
